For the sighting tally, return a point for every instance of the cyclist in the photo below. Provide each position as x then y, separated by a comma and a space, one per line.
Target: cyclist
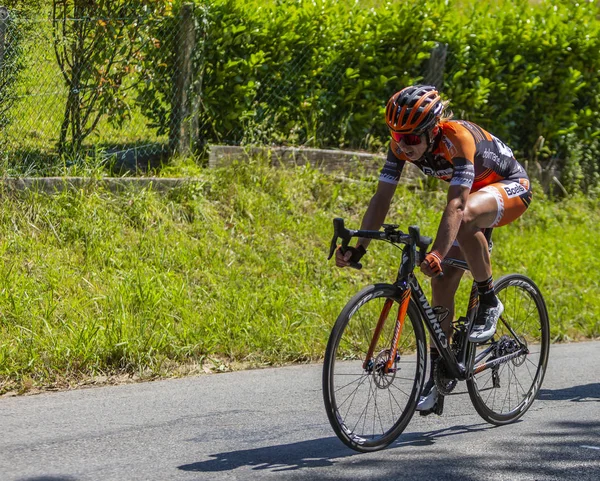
488, 188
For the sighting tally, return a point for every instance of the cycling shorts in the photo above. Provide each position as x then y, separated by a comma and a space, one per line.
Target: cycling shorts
513, 196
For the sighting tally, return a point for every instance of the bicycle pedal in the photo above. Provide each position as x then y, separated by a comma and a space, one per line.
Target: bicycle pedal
438, 408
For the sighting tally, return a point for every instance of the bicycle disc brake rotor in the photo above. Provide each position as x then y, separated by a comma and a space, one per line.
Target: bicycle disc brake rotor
443, 381
382, 379
518, 361
508, 345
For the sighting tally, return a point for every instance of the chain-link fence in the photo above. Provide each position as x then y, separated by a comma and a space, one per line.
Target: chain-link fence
73, 88
138, 88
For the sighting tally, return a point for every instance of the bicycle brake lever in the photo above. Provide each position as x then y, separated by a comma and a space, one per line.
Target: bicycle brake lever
337, 223
332, 246
339, 231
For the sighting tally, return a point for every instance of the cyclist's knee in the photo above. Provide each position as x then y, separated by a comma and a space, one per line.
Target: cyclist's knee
468, 224
481, 211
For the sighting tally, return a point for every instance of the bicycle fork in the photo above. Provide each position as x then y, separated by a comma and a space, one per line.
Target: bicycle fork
393, 351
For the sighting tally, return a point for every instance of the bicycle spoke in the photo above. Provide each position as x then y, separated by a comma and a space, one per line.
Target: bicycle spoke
350, 383
364, 411
351, 396
399, 389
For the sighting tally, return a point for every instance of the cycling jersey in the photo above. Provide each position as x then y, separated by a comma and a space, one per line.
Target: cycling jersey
463, 154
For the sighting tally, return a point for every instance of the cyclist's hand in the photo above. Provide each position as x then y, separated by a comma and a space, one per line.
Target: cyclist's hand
352, 254
432, 265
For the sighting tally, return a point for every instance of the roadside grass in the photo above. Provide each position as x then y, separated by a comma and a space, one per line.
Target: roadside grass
231, 270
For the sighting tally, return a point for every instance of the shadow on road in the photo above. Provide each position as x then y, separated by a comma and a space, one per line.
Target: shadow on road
313, 453
565, 451
584, 393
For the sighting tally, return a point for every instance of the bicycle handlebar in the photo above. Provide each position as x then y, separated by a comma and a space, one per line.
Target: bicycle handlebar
390, 233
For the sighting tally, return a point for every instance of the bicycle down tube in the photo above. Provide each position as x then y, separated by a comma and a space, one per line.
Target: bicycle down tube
434, 327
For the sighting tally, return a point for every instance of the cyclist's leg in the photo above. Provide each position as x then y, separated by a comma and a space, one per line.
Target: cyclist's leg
444, 288
513, 198
481, 212
495, 205
443, 291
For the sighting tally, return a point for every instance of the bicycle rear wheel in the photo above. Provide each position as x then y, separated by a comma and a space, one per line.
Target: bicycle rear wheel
517, 354
367, 407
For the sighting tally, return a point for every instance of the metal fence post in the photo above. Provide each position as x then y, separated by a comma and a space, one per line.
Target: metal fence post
180, 140
3, 18
434, 70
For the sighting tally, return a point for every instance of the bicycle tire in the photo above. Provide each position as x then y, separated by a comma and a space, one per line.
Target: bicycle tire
502, 395
371, 411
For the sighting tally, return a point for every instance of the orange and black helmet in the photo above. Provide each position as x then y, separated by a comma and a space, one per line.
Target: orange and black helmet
414, 109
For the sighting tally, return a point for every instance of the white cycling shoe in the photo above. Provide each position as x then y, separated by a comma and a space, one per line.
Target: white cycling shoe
485, 324
428, 401
431, 401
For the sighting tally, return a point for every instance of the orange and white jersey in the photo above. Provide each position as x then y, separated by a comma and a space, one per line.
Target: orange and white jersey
463, 154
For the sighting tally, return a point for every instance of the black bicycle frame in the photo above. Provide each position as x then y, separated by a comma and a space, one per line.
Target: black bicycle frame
456, 367
407, 280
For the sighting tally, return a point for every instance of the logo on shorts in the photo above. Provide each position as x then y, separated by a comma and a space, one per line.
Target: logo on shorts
514, 190
489, 155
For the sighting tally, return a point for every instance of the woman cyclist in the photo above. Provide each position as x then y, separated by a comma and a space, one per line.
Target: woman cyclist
488, 188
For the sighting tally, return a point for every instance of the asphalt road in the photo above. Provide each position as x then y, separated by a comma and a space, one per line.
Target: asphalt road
270, 424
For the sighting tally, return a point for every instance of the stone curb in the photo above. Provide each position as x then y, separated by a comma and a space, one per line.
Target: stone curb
53, 185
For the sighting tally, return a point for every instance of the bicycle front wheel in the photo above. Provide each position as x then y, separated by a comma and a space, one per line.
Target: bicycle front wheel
368, 405
508, 370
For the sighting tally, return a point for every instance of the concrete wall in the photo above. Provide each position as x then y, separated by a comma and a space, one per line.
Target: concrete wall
333, 161
339, 161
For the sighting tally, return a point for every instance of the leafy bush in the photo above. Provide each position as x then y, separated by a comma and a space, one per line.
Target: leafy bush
495, 77
319, 73
301, 72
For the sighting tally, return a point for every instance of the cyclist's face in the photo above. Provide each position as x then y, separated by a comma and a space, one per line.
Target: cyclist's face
413, 146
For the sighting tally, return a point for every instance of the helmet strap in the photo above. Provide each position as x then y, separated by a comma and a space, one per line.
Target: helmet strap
431, 135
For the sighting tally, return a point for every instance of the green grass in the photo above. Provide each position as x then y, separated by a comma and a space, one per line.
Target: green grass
231, 270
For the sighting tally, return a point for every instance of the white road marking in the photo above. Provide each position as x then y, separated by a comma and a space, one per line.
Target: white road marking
591, 447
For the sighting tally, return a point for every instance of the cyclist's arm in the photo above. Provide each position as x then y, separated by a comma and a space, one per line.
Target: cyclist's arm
377, 210
461, 183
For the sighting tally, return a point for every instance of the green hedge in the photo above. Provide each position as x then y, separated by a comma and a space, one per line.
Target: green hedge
319, 73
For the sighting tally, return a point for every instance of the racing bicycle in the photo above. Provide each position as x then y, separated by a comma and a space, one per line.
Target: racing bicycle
376, 356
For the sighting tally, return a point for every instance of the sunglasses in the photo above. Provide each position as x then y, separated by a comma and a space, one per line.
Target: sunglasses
409, 139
